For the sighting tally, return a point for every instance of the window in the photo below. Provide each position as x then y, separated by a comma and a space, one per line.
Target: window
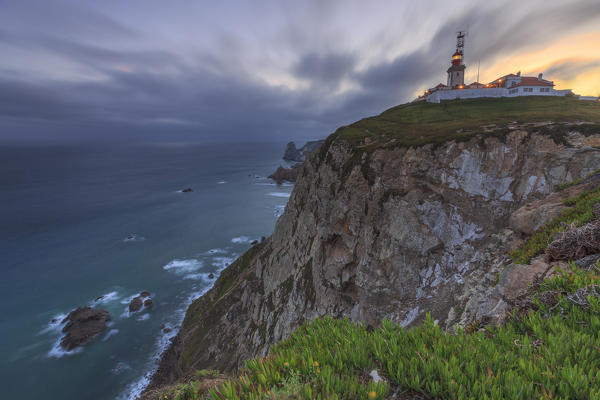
528, 90
544, 89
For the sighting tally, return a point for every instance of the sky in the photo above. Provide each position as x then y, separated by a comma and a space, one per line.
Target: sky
264, 70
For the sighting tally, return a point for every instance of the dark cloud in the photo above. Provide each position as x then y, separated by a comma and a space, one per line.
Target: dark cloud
211, 93
325, 69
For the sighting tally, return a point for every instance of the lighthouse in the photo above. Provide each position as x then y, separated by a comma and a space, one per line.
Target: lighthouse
456, 72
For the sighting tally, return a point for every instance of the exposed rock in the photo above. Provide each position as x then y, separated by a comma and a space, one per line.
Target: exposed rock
136, 304
167, 330
286, 174
211, 276
142, 300
83, 324
254, 242
187, 190
588, 261
394, 233
300, 155
533, 216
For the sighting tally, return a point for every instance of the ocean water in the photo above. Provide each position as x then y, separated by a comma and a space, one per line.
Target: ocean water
78, 222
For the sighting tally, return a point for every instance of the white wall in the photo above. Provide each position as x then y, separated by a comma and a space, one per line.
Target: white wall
453, 94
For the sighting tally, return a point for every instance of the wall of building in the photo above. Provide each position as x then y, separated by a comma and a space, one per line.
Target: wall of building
453, 94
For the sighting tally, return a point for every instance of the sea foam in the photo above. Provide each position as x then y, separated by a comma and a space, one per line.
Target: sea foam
279, 194
184, 266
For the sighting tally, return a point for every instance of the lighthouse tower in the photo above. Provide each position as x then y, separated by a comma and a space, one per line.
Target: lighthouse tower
456, 72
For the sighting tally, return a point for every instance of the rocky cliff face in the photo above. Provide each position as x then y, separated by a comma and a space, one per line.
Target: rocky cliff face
386, 233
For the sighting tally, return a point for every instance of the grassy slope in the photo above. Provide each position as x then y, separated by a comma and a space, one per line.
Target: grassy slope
420, 123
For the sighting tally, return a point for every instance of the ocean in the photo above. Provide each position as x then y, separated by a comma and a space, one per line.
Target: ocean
96, 224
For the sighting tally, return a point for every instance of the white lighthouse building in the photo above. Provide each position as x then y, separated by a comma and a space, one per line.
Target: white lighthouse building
511, 85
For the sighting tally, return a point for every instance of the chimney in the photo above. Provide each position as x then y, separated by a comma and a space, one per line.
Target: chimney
540, 77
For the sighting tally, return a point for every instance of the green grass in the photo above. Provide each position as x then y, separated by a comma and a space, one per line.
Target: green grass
415, 124
579, 212
576, 181
552, 352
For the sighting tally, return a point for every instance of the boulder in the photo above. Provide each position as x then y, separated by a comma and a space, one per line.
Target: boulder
211, 276
533, 216
286, 174
148, 302
83, 324
135, 304
145, 294
187, 190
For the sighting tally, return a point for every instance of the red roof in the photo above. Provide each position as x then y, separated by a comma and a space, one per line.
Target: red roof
532, 81
440, 86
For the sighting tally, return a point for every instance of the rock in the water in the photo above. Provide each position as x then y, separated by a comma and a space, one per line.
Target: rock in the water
167, 330
135, 304
83, 324
145, 294
211, 276
147, 302
286, 174
254, 242
293, 154
187, 190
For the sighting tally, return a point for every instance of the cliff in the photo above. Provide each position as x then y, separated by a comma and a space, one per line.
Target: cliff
411, 212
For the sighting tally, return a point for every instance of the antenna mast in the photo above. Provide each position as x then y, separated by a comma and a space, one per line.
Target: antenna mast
460, 41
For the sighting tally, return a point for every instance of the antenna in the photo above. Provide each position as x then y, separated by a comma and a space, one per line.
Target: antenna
460, 41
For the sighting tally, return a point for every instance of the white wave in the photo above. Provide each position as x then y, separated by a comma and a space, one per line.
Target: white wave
120, 367
279, 194
216, 251
198, 277
282, 184
144, 317
105, 298
57, 351
133, 238
127, 300
222, 182
55, 325
279, 209
184, 266
241, 239
110, 333
222, 262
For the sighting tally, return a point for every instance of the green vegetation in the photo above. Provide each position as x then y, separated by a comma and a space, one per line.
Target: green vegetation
579, 212
576, 181
415, 124
549, 351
